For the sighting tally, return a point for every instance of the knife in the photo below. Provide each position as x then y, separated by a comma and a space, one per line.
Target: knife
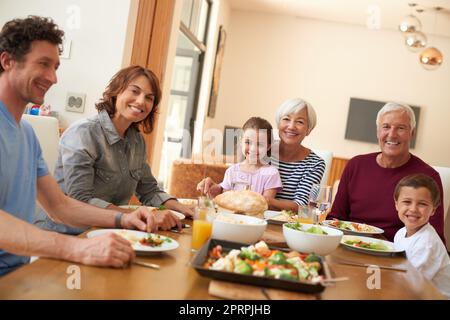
146, 264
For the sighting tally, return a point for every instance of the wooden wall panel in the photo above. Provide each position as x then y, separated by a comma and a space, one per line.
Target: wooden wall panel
150, 49
143, 32
151, 45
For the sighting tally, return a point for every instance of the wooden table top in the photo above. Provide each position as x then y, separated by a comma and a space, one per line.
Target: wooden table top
47, 279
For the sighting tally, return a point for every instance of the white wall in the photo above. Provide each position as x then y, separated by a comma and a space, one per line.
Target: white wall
270, 58
97, 46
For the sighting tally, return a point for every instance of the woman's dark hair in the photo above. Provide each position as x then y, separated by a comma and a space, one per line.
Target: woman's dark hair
17, 35
260, 124
119, 83
419, 181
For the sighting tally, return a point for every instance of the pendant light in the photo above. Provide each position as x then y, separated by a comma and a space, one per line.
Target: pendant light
431, 58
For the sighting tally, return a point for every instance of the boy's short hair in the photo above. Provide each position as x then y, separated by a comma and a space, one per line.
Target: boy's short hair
419, 181
17, 35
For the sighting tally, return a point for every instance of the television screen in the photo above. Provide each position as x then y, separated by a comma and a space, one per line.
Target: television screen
362, 115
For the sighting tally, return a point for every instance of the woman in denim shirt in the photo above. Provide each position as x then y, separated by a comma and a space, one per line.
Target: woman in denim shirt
102, 159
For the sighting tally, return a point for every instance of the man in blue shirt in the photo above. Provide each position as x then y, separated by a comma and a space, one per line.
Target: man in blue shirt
29, 58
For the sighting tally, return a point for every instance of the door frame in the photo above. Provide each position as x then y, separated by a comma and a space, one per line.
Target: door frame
151, 46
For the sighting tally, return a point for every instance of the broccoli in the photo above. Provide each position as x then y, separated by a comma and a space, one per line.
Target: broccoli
249, 254
312, 258
285, 274
278, 258
243, 267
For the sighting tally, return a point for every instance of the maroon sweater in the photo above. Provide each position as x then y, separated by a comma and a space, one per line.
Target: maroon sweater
366, 193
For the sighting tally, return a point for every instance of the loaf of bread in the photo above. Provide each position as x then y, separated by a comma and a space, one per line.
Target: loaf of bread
242, 201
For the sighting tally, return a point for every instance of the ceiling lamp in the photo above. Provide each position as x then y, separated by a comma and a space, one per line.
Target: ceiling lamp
415, 41
431, 58
410, 23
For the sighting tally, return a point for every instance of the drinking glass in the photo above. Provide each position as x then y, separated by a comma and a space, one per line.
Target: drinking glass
319, 202
202, 226
305, 215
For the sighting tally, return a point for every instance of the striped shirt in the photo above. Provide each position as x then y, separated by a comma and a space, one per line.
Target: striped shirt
298, 177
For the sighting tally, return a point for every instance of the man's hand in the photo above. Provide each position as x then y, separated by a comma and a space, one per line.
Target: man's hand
141, 219
167, 220
109, 250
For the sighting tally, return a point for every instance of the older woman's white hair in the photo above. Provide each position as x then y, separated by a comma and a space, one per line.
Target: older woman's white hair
293, 106
394, 106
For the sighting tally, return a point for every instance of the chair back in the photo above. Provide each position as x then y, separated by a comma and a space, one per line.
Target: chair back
186, 174
47, 132
444, 172
327, 156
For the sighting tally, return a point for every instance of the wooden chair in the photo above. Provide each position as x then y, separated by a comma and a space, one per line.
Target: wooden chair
327, 156
47, 132
186, 174
444, 172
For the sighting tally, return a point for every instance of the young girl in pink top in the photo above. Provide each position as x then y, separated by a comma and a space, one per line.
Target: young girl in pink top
254, 173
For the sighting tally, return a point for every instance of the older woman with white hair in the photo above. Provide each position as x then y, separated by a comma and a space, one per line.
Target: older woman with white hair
367, 184
298, 165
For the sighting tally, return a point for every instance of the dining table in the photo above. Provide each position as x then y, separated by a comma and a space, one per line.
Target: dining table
176, 279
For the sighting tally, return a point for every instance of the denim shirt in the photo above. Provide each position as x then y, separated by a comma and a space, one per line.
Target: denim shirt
97, 166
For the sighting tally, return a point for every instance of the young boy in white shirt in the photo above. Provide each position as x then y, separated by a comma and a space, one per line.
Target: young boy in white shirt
416, 199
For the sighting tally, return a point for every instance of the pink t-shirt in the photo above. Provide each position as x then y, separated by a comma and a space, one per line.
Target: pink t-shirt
265, 178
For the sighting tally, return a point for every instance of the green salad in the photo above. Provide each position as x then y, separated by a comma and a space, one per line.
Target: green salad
368, 245
313, 229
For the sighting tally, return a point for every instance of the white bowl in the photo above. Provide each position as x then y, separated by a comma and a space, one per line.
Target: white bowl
238, 228
311, 242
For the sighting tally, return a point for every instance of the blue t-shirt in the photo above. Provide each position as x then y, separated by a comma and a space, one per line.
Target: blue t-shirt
21, 163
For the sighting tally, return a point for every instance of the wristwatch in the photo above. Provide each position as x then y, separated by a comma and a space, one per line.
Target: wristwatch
118, 220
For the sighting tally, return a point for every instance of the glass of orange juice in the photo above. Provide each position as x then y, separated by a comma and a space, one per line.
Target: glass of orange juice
202, 226
305, 215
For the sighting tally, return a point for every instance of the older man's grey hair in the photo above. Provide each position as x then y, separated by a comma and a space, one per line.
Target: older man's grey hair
293, 106
394, 106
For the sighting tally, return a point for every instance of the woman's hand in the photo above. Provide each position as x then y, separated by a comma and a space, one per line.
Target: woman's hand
166, 220
172, 204
208, 187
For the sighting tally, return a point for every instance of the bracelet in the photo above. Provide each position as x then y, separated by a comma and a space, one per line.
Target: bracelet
118, 220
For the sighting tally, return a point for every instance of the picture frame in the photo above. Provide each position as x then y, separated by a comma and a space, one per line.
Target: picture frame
216, 73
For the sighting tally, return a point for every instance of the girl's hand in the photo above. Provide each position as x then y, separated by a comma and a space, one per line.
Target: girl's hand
205, 185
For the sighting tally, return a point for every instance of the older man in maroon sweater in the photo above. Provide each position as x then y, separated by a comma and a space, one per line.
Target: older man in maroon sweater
367, 184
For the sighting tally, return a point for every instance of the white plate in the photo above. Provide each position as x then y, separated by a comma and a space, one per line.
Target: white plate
134, 236
188, 202
179, 215
391, 248
275, 217
375, 230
